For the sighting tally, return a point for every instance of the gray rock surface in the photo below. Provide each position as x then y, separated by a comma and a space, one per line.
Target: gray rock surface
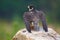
36, 35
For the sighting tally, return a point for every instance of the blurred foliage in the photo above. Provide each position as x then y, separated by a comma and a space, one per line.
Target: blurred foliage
11, 15
10, 8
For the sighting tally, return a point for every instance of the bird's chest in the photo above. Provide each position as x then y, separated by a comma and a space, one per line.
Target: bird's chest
34, 16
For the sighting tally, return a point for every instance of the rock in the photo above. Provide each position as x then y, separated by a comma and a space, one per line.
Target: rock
36, 35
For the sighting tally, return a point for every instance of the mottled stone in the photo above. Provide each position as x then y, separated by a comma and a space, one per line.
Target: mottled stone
36, 35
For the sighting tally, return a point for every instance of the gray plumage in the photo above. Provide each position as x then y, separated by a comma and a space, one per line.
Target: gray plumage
35, 16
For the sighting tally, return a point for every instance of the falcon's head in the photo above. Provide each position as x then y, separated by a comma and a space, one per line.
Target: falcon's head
30, 7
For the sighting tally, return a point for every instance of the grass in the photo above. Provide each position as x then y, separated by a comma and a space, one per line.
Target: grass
7, 30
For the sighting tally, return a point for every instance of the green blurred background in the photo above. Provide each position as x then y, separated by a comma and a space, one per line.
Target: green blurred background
11, 15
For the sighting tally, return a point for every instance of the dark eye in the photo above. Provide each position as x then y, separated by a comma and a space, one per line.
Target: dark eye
31, 7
